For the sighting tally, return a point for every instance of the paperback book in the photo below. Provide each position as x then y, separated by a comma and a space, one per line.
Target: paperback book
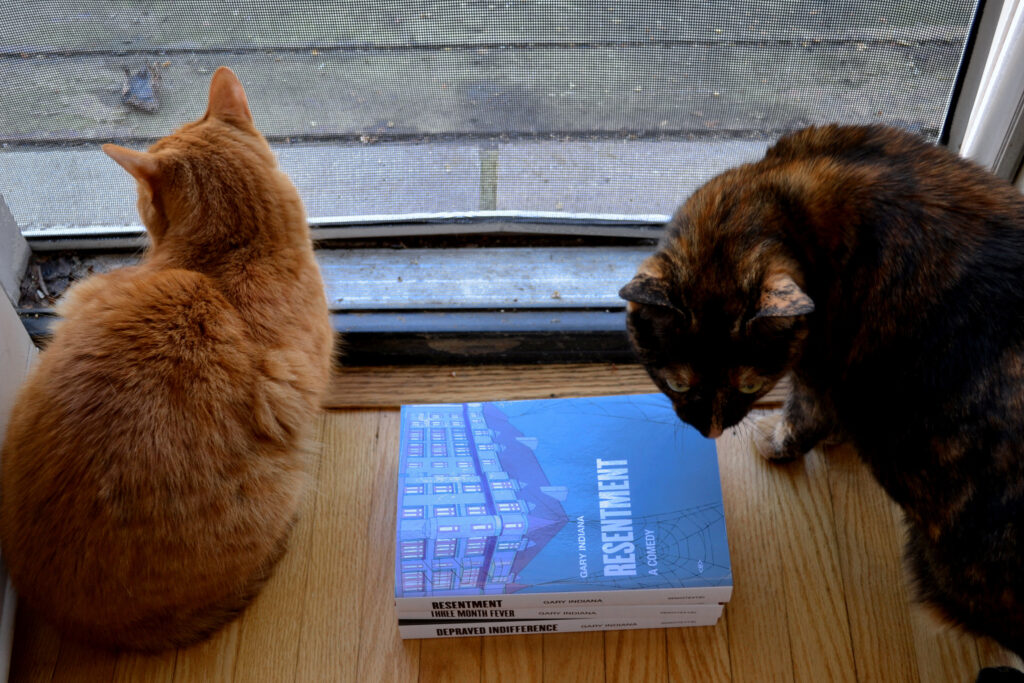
699, 615
607, 504
461, 610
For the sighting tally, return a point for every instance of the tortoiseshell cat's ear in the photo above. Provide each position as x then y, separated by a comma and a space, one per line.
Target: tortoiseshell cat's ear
227, 98
648, 286
646, 289
142, 165
781, 297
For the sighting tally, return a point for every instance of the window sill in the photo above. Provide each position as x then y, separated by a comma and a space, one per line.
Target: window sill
452, 305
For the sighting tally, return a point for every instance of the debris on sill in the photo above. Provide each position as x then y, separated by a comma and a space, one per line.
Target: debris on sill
141, 89
50, 274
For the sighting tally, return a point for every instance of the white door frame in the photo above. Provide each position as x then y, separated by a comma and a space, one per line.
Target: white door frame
16, 356
993, 134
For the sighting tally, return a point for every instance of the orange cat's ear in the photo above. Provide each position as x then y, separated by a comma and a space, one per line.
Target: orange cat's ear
227, 97
142, 165
781, 297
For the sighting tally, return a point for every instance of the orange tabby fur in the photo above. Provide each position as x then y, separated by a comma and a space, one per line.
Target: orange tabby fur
154, 463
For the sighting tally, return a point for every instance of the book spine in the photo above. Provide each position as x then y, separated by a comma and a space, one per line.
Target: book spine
601, 612
505, 628
648, 596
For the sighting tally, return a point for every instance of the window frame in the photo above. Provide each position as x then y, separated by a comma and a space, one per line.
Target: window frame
988, 116
557, 333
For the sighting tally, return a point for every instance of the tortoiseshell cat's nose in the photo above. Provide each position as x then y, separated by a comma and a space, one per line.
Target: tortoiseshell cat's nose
701, 420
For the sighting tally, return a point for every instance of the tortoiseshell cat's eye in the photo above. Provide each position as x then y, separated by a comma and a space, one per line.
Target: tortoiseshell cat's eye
752, 387
676, 386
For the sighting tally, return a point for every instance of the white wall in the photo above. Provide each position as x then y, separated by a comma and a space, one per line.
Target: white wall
13, 253
16, 355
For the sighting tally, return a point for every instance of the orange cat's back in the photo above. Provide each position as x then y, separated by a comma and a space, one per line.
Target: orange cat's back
156, 458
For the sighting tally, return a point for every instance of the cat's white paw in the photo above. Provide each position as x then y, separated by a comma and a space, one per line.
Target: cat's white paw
770, 433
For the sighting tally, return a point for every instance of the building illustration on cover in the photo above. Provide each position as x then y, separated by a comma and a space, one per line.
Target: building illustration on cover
481, 512
475, 506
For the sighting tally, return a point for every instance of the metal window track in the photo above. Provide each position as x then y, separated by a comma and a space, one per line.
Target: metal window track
514, 304
640, 227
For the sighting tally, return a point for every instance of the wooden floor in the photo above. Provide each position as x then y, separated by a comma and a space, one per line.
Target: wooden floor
820, 594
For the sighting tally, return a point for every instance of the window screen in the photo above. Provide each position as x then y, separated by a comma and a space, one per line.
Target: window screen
398, 108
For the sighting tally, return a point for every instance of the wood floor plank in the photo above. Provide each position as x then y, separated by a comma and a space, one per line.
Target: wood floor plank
819, 633
160, 25
577, 657
383, 656
760, 650
513, 659
637, 655
455, 659
212, 660
699, 653
136, 668
397, 385
271, 627
80, 102
333, 600
392, 386
870, 557
945, 654
990, 653
79, 663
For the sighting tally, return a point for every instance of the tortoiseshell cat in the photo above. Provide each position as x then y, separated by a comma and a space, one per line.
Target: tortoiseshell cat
155, 459
887, 276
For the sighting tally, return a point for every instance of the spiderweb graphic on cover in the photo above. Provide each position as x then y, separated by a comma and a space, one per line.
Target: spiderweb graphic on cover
685, 550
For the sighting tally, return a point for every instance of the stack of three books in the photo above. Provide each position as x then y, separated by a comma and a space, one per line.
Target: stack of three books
557, 515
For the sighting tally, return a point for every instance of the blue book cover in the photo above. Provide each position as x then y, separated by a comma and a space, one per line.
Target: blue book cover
514, 501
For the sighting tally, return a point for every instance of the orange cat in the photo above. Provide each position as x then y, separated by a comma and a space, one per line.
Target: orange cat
154, 463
